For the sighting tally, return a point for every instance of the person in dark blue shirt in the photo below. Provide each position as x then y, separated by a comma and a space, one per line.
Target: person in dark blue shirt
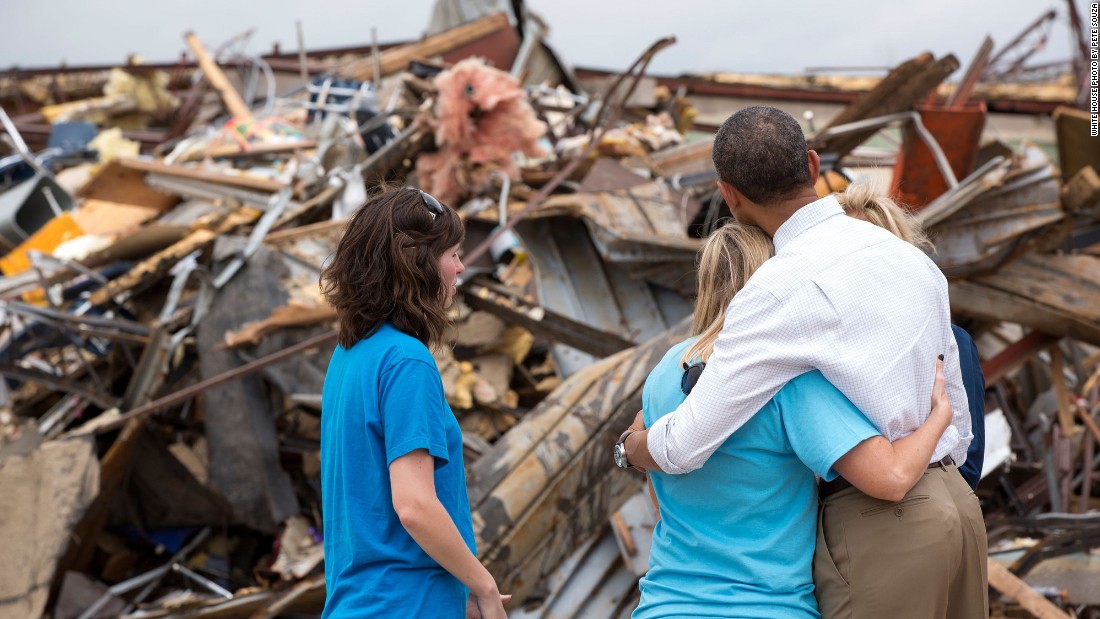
974, 383
399, 539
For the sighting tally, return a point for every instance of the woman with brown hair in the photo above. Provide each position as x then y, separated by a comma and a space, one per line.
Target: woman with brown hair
399, 540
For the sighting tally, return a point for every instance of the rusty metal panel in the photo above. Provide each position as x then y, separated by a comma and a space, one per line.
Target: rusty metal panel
958, 131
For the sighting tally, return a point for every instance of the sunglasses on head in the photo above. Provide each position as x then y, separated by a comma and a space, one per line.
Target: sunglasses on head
434, 207
691, 376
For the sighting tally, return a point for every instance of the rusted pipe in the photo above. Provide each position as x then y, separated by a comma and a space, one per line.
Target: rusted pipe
245, 370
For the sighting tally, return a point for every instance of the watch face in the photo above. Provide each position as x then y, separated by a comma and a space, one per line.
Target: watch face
619, 456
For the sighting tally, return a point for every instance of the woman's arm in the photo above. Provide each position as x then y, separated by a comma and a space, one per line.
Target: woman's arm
412, 480
888, 471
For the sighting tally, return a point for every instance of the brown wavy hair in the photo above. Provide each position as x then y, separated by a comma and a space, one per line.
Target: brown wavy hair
386, 268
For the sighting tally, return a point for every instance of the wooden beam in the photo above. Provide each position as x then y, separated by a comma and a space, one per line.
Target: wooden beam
291, 234
232, 99
1061, 391
399, 58
1017, 354
235, 152
979, 300
549, 324
899, 91
1089, 422
1082, 192
243, 181
1010, 585
153, 268
962, 93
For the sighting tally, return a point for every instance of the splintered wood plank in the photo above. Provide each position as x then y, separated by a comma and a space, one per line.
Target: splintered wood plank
981, 301
1010, 585
644, 211
1061, 391
115, 182
399, 58
232, 99
1069, 284
1082, 192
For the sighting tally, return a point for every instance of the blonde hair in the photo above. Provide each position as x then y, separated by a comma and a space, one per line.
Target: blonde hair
730, 256
862, 201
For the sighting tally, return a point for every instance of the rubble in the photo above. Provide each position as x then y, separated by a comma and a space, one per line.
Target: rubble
164, 341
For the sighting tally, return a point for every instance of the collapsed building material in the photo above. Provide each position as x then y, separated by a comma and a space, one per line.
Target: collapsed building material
994, 215
489, 32
212, 72
1007, 583
508, 306
1059, 295
481, 118
958, 133
629, 246
607, 229
240, 428
899, 91
45, 493
545, 487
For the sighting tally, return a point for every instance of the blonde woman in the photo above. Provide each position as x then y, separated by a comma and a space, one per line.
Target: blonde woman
736, 537
862, 201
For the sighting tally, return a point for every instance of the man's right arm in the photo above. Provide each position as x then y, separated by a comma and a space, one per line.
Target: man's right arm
757, 352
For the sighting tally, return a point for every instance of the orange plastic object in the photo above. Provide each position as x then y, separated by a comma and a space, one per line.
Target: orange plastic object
917, 179
57, 230
830, 181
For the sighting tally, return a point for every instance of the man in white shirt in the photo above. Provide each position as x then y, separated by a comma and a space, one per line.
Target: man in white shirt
872, 313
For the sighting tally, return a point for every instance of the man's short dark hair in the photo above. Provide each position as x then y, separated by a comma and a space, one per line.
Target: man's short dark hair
762, 153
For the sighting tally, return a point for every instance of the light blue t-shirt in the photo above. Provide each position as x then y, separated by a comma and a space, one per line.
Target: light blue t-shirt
382, 399
736, 537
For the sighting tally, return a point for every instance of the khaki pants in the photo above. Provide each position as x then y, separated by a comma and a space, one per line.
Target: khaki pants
923, 557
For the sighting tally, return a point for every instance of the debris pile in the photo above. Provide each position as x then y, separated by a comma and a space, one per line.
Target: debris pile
164, 339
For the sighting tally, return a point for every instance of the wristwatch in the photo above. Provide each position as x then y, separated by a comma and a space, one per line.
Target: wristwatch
620, 451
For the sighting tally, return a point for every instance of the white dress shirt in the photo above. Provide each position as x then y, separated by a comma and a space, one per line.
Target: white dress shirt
842, 296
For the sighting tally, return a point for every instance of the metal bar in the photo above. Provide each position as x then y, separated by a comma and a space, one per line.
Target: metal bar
205, 582
945, 204
245, 370
1016, 355
553, 326
199, 538
301, 52
59, 383
532, 35
13, 133
121, 324
275, 207
375, 58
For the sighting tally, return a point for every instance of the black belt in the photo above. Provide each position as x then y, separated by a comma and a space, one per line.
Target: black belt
826, 489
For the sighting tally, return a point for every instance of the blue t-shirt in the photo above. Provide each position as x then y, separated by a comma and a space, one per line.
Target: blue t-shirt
736, 537
382, 399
